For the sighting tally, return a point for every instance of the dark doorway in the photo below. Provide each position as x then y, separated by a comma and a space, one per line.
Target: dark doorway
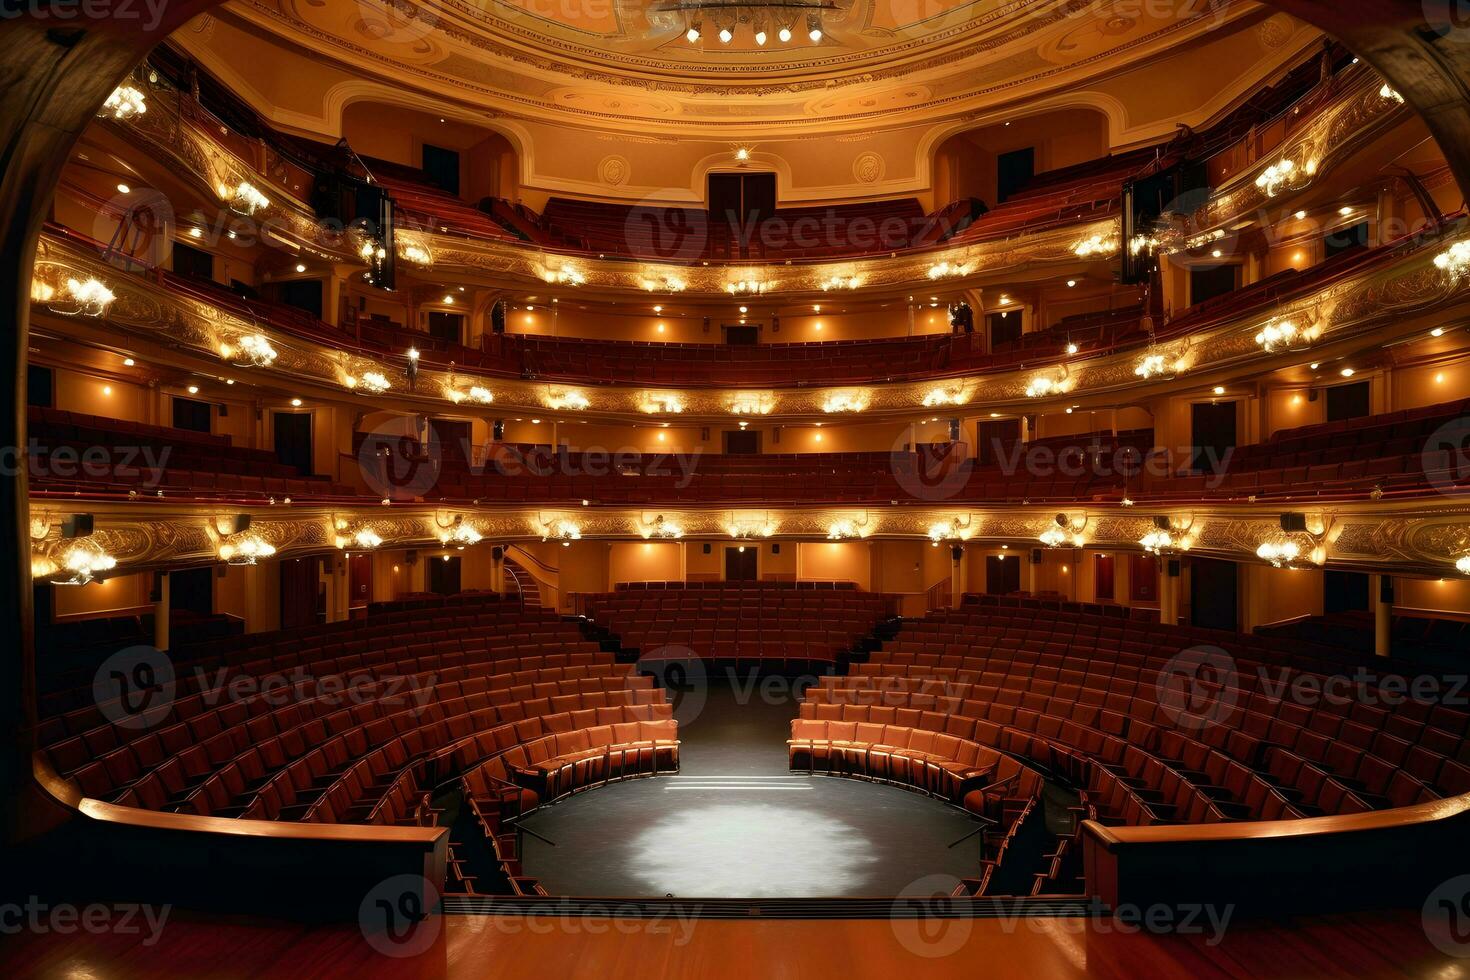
192, 591
1013, 171
1207, 283
741, 200
448, 327
301, 591
444, 575
742, 336
997, 440
192, 415
742, 564
1345, 240
40, 386
743, 443
303, 294
1143, 578
1004, 328
293, 440
1002, 575
1213, 602
441, 166
1348, 401
359, 580
193, 262
1104, 578
1344, 592
1213, 432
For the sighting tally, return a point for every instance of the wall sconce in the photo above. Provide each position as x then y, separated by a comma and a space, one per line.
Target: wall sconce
845, 401
953, 529
565, 276
247, 199
457, 532
561, 530
78, 297
124, 103
1096, 247
569, 401
1455, 260
661, 404
1066, 533
661, 527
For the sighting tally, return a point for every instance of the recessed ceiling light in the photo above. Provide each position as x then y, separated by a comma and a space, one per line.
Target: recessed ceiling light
1071, 283
124, 189
1345, 210
1348, 372
128, 362
193, 389
1437, 332
300, 267
195, 233
1219, 390
1300, 215
1315, 365
296, 403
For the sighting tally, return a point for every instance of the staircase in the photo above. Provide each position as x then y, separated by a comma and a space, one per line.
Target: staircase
524, 585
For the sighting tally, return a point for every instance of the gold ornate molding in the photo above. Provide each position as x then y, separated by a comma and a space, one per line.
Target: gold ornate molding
1380, 300
1420, 537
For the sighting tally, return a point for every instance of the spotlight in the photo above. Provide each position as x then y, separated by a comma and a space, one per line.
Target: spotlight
726, 36
760, 36
814, 27
784, 35
692, 36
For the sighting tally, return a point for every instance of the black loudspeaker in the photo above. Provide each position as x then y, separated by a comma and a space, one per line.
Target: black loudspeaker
412, 558
1162, 523
1174, 567
1385, 589
1036, 556
775, 549
707, 548
224, 410
497, 430
497, 553
1293, 522
956, 552
77, 526
954, 430
1311, 394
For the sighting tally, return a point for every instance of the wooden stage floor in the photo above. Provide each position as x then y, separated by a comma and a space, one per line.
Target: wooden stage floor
473, 946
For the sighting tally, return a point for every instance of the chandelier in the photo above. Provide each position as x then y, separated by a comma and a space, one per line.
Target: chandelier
1462, 565
561, 530
124, 103
88, 297
845, 529
723, 19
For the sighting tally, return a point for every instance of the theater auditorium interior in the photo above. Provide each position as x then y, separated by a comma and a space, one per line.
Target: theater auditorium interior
723, 488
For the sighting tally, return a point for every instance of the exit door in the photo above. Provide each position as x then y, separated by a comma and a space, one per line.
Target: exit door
360, 580
742, 564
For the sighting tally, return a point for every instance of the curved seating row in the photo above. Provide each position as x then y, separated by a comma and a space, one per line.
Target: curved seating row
1093, 690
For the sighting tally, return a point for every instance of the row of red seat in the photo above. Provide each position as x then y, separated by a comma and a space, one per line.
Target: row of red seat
1262, 756
777, 627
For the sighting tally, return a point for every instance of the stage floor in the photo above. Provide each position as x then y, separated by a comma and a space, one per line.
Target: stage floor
736, 823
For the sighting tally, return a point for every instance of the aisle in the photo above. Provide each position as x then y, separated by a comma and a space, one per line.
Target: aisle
736, 823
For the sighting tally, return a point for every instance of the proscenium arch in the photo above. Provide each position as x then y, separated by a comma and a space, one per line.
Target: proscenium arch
59, 67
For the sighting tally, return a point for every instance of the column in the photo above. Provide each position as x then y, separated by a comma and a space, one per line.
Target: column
1380, 597
161, 608
1168, 593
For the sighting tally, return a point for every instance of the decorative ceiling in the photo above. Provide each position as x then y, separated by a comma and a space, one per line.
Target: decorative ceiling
632, 61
